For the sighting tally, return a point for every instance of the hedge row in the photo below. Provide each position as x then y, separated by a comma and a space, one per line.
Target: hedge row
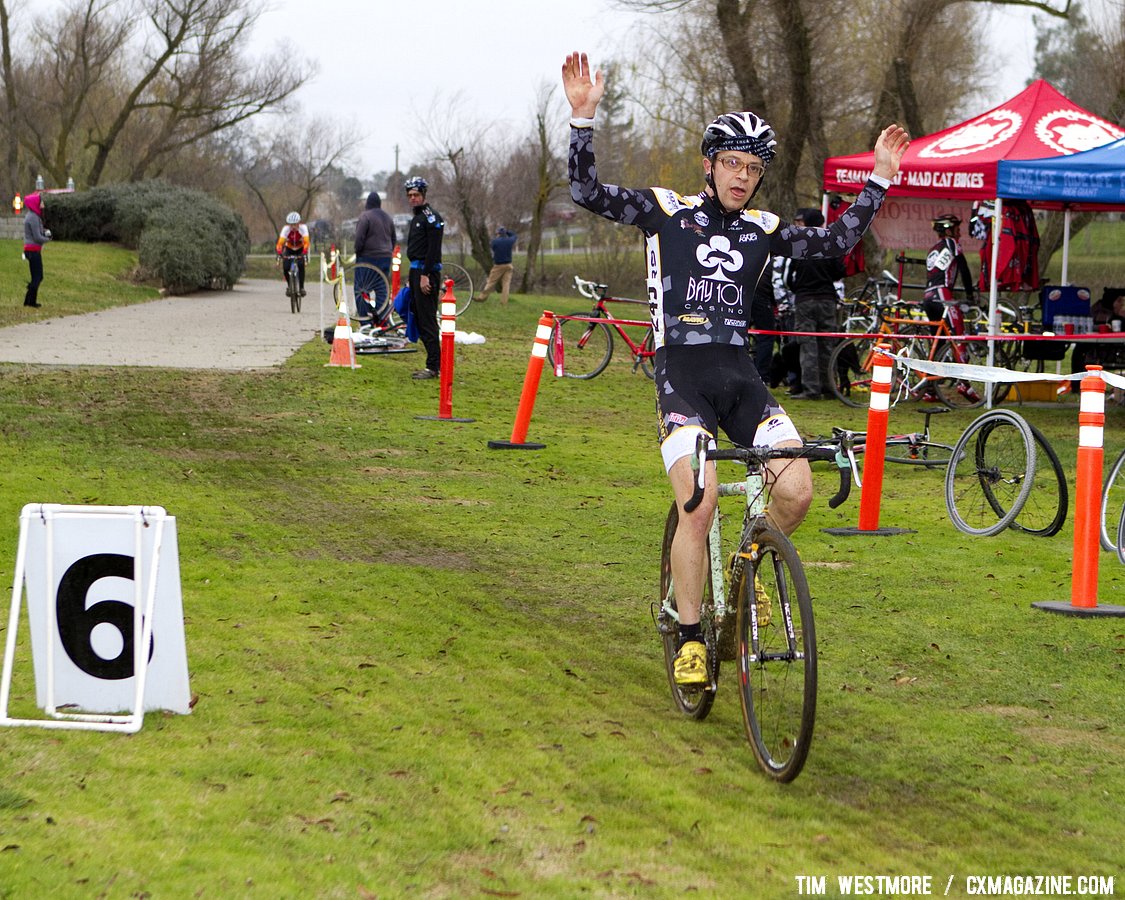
185, 239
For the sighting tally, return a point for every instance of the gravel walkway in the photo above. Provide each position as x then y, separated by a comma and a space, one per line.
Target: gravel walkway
249, 327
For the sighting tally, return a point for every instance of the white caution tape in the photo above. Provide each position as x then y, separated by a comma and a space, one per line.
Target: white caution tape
991, 374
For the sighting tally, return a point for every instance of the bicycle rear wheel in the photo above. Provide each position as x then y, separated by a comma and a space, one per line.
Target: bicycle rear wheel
692, 701
990, 474
1113, 503
462, 286
646, 360
1044, 511
777, 657
372, 282
587, 346
849, 368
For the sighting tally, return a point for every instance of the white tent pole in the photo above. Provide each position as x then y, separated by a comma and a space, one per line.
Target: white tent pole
993, 292
1066, 246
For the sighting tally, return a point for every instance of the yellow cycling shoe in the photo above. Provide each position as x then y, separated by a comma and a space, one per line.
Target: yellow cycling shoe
690, 665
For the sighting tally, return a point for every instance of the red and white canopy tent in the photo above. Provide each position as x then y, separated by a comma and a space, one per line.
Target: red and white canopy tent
960, 164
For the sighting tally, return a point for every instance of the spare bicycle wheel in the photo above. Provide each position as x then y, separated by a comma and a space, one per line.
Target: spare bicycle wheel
990, 473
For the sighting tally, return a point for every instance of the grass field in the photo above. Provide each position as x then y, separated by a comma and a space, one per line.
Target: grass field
426, 668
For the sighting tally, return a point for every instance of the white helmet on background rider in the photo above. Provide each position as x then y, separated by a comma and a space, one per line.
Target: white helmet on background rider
293, 218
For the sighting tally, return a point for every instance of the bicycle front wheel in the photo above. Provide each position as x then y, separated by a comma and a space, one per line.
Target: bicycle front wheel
586, 346
849, 372
990, 473
777, 656
1044, 511
691, 700
1113, 503
294, 289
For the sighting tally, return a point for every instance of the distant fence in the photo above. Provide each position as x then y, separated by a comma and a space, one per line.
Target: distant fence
11, 227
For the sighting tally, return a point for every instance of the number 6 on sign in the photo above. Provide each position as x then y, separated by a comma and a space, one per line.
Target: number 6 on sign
104, 614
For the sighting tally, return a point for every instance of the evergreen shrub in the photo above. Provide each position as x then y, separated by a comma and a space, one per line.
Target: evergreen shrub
185, 238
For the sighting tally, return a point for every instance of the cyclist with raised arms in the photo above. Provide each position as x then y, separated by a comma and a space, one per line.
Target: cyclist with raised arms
293, 247
704, 254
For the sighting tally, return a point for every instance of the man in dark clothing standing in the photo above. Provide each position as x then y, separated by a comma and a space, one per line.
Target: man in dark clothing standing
423, 247
375, 244
813, 284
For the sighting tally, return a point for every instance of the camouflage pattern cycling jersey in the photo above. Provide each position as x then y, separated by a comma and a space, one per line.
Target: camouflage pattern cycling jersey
703, 262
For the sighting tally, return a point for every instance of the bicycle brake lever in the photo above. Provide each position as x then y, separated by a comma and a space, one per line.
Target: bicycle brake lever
699, 466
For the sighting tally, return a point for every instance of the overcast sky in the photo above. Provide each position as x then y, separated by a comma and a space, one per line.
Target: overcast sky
382, 63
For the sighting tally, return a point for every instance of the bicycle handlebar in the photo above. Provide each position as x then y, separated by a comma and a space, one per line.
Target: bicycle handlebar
759, 456
590, 289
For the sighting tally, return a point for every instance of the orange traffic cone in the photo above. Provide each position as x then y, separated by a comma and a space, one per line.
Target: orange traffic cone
343, 347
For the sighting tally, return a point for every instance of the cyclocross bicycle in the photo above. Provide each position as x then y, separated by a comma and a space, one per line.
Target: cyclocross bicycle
756, 609
587, 350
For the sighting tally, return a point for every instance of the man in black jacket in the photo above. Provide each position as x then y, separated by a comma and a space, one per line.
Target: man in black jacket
375, 244
423, 246
813, 284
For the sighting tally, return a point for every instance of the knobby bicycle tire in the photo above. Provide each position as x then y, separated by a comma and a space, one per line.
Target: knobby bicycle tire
1045, 509
777, 667
990, 473
1113, 503
694, 702
587, 346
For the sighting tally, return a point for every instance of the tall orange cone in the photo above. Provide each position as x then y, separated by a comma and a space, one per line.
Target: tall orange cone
875, 451
1087, 505
343, 347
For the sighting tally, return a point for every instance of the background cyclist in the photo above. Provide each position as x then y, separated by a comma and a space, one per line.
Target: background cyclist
944, 264
293, 247
704, 254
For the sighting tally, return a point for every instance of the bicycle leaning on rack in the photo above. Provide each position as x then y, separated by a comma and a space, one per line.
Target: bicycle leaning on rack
583, 342
756, 609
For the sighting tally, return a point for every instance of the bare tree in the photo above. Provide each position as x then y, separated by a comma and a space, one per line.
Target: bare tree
548, 168
117, 88
295, 167
8, 123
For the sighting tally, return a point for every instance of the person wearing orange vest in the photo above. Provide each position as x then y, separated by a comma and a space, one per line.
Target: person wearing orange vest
34, 237
293, 246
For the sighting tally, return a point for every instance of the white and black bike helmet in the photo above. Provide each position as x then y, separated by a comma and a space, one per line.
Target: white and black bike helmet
743, 131
293, 218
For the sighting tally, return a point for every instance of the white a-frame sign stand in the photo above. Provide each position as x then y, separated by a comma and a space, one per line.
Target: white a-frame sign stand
105, 616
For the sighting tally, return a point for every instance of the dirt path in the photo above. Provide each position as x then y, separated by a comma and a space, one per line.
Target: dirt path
249, 327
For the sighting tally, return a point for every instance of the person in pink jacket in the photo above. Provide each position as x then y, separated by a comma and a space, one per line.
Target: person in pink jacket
34, 237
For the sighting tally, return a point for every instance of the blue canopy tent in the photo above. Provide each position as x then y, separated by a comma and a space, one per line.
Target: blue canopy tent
1092, 178
1089, 180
